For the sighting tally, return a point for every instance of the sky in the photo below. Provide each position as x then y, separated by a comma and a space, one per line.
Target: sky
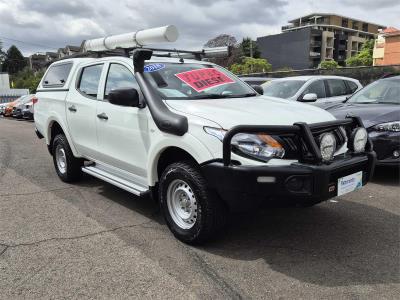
45, 25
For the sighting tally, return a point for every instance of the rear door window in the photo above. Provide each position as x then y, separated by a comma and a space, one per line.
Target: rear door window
317, 87
337, 87
89, 80
57, 75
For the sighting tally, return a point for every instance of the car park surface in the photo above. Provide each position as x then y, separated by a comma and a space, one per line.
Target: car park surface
93, 240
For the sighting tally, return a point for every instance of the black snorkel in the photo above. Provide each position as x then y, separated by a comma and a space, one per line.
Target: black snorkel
166, 120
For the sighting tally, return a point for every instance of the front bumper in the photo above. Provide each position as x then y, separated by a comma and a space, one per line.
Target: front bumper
244, 187
309, 180
385, 143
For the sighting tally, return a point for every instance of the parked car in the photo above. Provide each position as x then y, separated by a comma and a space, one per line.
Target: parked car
255, 80
194, 136
20, 105
8, 109
312, 89
2, 108
378, 105
28, 111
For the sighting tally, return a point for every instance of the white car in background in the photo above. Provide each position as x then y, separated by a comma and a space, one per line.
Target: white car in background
314, 89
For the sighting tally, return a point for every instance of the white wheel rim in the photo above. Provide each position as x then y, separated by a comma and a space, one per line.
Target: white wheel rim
61, 159
182, 204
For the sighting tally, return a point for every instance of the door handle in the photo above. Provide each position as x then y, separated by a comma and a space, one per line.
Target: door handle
102, 116
72, 108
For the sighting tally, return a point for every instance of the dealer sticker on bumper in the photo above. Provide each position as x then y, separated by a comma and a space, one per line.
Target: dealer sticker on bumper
349, 183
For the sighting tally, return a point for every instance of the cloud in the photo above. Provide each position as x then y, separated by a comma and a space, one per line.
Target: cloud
62, 22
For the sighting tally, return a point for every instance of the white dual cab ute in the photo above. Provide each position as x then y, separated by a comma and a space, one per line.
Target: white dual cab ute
191, 134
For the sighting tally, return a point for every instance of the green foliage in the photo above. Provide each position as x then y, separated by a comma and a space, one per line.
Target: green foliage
328, 64
364, 58
2, 56
251, 65
14, 61
246, 49
27, 79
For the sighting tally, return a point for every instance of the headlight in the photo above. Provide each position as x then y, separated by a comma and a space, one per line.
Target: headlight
258, 146
327, 146
390, 126
358, 140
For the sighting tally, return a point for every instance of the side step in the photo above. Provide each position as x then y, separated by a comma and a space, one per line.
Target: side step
114, 180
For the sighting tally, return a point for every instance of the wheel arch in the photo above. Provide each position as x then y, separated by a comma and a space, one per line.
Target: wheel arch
55, 127
169, 153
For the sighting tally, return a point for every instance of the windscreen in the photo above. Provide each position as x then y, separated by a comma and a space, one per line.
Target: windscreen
192, 81
282, 88
381, 91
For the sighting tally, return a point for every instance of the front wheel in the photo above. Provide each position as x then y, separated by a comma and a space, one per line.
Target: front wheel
193, 213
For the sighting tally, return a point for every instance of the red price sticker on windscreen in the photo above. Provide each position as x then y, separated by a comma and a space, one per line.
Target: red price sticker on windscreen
203, 79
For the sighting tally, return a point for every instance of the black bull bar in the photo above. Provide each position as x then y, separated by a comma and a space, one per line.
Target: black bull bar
303, 130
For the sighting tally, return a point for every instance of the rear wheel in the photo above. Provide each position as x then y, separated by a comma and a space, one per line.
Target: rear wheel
193, 213
68, 167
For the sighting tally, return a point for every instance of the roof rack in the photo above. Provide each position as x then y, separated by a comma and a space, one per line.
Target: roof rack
124, 44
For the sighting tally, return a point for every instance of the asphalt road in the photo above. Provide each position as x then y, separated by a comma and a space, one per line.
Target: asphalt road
93, 240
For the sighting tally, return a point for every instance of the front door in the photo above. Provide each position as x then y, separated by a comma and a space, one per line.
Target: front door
122, 131
81, 105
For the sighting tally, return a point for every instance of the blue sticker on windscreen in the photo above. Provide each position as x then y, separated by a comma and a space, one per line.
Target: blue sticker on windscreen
153, 67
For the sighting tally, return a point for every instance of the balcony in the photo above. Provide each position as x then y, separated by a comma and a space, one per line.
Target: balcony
315, 43
286, 27
315, 54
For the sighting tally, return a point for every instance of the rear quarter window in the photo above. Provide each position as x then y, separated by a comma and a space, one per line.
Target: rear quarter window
352, 86
57, 75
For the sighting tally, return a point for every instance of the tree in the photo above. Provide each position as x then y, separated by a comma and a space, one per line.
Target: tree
249, 48
2, 56
27, 79
14, 61
364, 58
221, 40
328, 64
251, 65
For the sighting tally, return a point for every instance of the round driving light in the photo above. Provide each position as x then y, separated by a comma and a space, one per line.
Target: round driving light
360, 138
327, 146
396, 153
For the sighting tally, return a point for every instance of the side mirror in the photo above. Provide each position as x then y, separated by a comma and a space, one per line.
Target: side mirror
311, 97
124, 97
258, 89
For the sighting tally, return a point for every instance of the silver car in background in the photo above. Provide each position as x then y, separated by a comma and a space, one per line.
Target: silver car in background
314, 89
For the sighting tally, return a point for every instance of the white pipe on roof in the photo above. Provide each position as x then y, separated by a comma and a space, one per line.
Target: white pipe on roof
139, 38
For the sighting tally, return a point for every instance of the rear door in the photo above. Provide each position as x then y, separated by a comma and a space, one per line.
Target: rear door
122, 131
81, 109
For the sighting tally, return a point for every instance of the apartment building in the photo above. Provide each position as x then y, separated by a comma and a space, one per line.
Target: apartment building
310, 39
387, 48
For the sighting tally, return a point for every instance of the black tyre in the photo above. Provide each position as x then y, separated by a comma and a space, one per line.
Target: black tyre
68, 167
193, 213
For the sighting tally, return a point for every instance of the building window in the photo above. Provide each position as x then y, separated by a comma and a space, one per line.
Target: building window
345, 22
355, 25
365, 27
